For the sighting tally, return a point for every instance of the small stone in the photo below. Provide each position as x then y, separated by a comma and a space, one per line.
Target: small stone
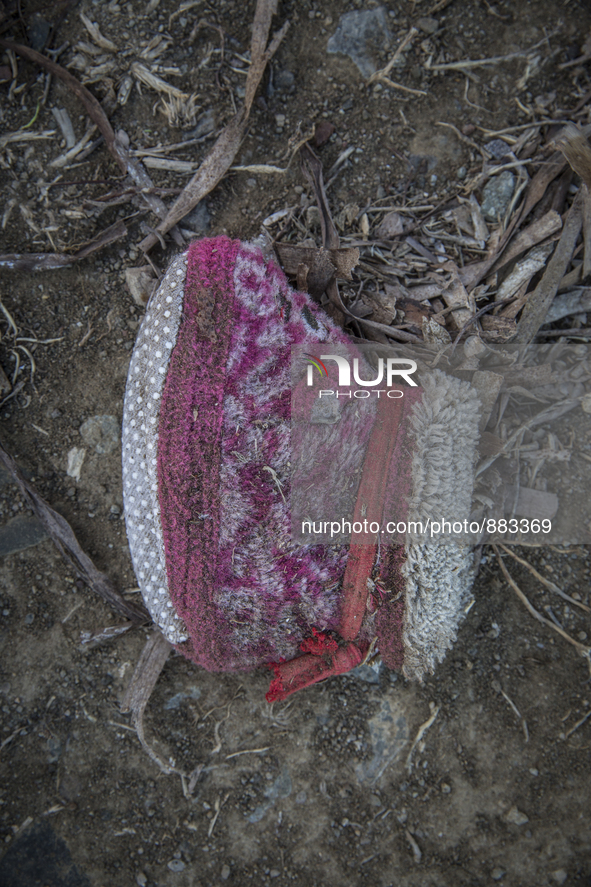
198, 219
284, 80
251, 183
582, 635
102, 433
75, 459
361, 35
274, 873
140, 283
176, 865
19, 533
428, 25
445, 788
29, 618
301, 797
497, 194
391, 225
534, 772
141, 880
205, 125
498, 148
225, 872
516, 817
497, 873
559, 875
280, 120
38, 31
462, 172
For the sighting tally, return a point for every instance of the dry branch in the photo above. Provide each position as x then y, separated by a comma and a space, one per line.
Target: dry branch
62, 534
49, 261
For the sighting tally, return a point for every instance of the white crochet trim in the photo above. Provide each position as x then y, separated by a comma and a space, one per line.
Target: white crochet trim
439, 575
143, 392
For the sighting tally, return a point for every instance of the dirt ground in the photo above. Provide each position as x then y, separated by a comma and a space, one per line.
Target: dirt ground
327, 788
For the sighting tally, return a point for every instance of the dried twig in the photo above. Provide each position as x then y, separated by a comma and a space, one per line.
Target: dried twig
137, 696
547, 582
382, 75
420, 733
578, 724
494, 60
62, 534
117, 149
222, 155
582, 648
49, 261
518, 713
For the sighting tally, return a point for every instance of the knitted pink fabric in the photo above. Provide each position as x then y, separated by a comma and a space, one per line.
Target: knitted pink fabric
246, 594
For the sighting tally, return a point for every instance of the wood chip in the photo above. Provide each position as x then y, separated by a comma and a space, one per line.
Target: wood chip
538, 303
539, 230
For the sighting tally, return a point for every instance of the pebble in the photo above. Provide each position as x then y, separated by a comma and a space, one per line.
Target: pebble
198, 219
358, 35
102, 433
176, 865
462, 172
559, 875
274, 873
516, 817
38, 31
225, 872
391, 226
284, 80
301, 797
497, 873
20, 533
498, 148
445, 788
205, 125
280, 120
428, 25
141, 880
497, 194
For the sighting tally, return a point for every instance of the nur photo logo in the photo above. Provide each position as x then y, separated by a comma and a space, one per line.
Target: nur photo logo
388, 370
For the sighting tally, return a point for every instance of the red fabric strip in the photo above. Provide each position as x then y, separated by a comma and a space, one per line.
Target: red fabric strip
369, 507
309, 669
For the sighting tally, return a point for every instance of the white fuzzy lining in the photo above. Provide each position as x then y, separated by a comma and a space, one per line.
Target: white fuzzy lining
439, 575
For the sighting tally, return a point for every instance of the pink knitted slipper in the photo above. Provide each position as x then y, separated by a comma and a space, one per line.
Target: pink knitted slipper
206, 480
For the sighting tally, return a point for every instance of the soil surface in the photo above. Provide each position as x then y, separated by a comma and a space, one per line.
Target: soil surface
330, 787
